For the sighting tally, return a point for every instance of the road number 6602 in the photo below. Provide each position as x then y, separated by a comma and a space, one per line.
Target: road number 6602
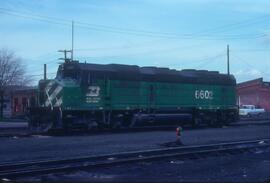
204, 94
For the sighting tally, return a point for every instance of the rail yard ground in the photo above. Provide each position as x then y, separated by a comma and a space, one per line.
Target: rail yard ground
42, 146
247, 167
228, 168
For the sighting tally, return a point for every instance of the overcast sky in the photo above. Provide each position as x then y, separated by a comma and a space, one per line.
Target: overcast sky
179, 34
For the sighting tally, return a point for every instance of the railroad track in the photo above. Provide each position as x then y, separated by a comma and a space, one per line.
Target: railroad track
33, 168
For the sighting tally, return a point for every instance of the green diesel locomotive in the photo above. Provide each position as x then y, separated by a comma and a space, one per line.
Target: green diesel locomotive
87, 96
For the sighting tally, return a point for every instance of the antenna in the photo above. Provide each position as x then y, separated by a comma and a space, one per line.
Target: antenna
228, 59
72, 41
45, 71
66, 59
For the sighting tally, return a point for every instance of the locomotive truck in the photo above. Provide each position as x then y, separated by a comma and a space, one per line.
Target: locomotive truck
90, 96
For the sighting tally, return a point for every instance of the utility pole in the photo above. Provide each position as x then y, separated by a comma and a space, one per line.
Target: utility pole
45, 71
65, 55
72, 41
228, 60
1, 104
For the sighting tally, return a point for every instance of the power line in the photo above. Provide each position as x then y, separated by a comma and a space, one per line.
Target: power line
241, 59
103, 28
119, 47
247, 64
36, 75
33, 18
236, 25
250, 50
209, 60
183, 36
112, 28
35, 68
148, 52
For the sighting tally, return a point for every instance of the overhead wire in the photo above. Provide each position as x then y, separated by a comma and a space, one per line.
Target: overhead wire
250, 50
127, 31
248, 65
65, 22
35, 75
209, 60
236, 25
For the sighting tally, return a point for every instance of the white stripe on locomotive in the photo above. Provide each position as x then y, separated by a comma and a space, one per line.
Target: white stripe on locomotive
50, 98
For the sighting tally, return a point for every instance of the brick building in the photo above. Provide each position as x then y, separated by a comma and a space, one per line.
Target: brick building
7, 103
17, 99
254, 92
7, 112
22, 99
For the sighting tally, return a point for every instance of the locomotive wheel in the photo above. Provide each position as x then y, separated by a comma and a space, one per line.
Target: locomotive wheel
133, 121
213, 120
116, 122
45, 125
58, 120
224, 119
196, 121
117, 125
32, 123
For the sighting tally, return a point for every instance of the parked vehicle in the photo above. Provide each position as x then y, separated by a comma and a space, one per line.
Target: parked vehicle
250, 110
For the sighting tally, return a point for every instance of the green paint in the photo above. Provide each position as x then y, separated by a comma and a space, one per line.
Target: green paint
122, 95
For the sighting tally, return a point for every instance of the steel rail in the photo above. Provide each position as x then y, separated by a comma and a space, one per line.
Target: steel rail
10, 165
10, 170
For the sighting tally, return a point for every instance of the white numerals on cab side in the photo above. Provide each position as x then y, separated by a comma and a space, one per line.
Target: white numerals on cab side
204, 94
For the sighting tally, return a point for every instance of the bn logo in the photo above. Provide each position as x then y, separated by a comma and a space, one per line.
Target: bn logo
93, 91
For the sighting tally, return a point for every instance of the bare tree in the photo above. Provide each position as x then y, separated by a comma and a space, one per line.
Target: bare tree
12, 73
